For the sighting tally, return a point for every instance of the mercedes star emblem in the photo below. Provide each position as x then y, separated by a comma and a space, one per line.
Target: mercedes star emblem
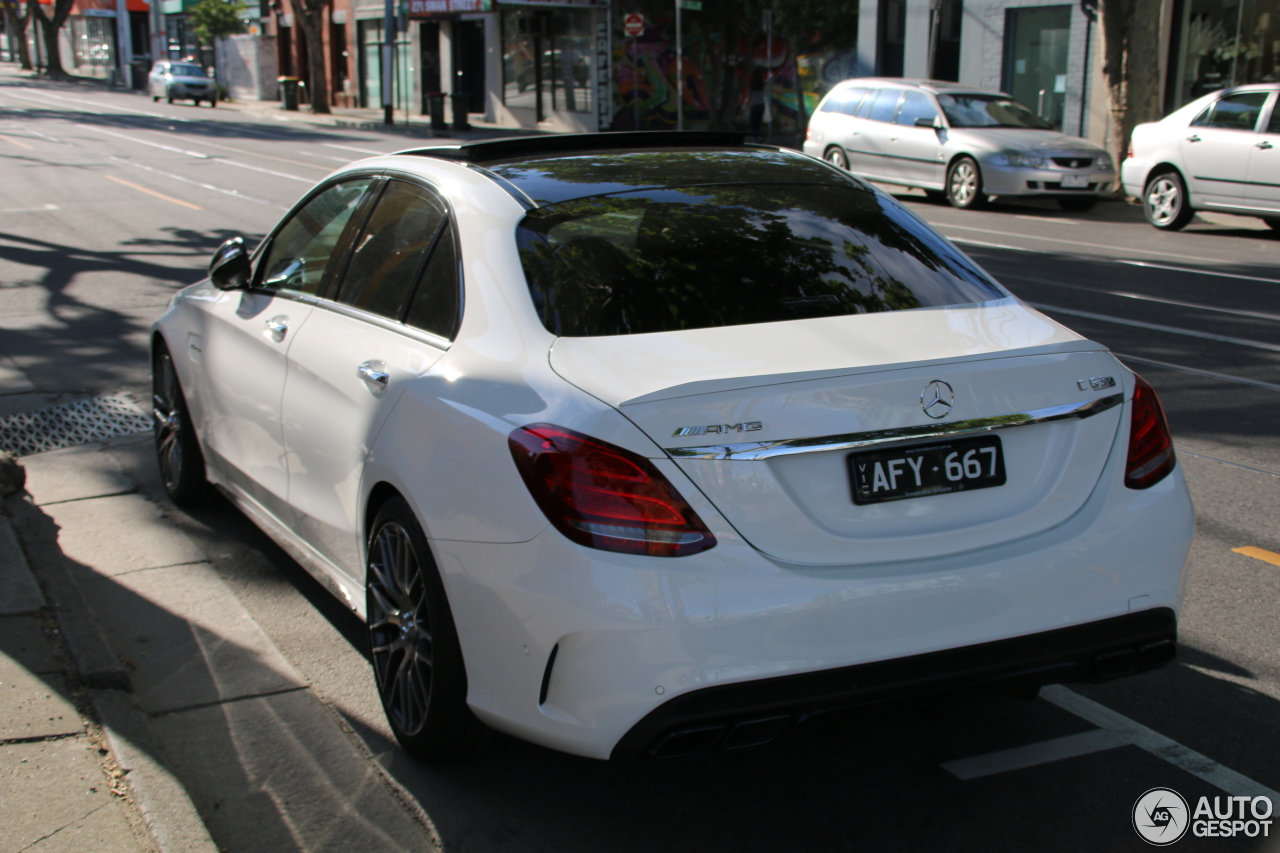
937, 399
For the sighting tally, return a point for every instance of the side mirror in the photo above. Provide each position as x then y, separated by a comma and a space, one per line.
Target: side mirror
229, 268
926, 122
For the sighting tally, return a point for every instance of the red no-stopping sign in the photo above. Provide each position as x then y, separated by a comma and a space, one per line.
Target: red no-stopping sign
633, 24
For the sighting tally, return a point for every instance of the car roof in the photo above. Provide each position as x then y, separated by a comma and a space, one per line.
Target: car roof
934, 86
540, 170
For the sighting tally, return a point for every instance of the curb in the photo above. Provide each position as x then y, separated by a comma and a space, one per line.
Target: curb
170, 815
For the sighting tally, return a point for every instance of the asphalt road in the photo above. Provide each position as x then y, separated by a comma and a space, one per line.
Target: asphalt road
109, 203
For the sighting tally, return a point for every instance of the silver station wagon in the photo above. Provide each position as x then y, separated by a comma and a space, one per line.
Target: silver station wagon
955, 142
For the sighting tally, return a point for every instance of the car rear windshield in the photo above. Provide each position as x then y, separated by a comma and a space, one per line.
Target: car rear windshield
727, 255
989, 111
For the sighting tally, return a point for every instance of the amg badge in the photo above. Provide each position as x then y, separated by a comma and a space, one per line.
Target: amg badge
1097, 383
719, 429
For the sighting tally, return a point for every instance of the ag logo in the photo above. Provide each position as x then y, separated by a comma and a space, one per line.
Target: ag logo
1160, 816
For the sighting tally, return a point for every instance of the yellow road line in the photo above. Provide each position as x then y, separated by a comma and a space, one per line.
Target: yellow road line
17, 143
142, 189
1259, 554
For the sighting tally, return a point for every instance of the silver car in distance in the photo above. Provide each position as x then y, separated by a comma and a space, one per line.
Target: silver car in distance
955, 142
650, 445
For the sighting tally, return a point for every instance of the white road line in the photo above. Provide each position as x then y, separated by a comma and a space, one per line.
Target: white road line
323, 157
1053, 219
1259, 315
1158, 745
349, 148
1126, 261
248, 153
1257, 383
1069, 242
264, 171
185, 180
1034, 754
1173, 330
145, 142
1180, 449
41, 95
42, 209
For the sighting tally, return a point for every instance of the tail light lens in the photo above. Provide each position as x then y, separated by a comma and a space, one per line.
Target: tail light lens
1150, 444
602, 496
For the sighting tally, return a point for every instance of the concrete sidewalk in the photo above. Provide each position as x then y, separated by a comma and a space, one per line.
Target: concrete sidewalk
143, 708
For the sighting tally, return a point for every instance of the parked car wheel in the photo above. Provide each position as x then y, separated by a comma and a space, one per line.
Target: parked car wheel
1165, 201
213, 102
169, 95
835, 156
1274, 223
155, 99
1078, 205
964, 184
936, 196
177, 449
195, 101
417, 659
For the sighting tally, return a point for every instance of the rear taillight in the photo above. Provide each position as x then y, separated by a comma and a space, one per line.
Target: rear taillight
602, 496
1150, 444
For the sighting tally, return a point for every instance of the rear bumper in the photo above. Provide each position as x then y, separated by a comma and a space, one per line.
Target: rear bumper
741, 716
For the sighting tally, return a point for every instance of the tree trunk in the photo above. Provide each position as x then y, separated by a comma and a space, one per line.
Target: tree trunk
1131, 53
48, 27
310, 16
730, 65
17, 27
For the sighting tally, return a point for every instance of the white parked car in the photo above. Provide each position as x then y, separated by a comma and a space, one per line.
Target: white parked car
955, 141
650, 445
180, 80
1220, 152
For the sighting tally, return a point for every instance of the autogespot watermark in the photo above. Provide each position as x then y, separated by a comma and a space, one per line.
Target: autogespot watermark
1161, 817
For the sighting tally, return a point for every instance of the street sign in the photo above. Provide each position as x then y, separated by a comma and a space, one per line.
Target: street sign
691, 5
633, 24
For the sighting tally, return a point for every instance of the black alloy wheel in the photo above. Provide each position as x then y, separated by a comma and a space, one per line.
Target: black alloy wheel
177, 448
836, 157
417, 659
1165, 201
964, 184
1078, 205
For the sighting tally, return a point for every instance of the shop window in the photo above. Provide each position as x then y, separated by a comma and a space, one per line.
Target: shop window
1220, 44
546, 60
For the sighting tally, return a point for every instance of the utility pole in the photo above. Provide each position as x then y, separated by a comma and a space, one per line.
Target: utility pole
768, 73
388, 61
679, 69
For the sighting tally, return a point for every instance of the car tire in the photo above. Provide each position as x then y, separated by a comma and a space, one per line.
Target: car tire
195, 102
169, 96
177, 448
836, 157
936, 196
155, 99
417, 659
1078, 205
213, 103
1164, 201
1272, 222
964, 184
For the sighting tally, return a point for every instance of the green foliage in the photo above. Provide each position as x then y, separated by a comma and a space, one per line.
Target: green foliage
214, 19
810, 23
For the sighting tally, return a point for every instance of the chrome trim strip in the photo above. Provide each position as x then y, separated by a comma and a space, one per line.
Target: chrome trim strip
757, 450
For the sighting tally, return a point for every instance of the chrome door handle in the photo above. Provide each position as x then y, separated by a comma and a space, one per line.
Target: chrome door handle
1195, 137
1264, 145
277, 326
374, 373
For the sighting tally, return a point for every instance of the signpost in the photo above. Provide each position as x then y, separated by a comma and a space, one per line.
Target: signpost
633, 25
692, 6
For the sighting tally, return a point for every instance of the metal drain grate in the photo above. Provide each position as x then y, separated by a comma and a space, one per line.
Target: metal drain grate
69, 424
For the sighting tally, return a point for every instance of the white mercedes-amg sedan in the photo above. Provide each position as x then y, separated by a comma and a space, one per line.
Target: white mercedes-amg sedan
652, 445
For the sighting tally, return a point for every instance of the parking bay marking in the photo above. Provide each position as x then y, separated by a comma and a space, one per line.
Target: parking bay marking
17, 143
143, 189
1259, 554
185, 180
1114, 730
359, 150
1173, 330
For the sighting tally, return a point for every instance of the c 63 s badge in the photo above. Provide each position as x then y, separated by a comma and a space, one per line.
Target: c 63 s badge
719, 429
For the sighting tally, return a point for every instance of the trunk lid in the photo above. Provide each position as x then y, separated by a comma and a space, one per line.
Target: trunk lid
837, 380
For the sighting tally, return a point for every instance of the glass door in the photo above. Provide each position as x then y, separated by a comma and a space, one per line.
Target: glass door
1036, 43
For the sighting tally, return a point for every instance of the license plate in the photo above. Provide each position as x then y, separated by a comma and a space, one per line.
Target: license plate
1078, 181
960, 465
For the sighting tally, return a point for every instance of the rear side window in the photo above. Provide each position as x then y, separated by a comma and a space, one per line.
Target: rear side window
389, 253
436, 302
846, 101
672, 259
1273, 126
884, 105
1234, 112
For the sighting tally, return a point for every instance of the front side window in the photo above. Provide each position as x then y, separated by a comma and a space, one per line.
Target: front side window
672, 259
302, 248
389, 252
915, 105
1234, 112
